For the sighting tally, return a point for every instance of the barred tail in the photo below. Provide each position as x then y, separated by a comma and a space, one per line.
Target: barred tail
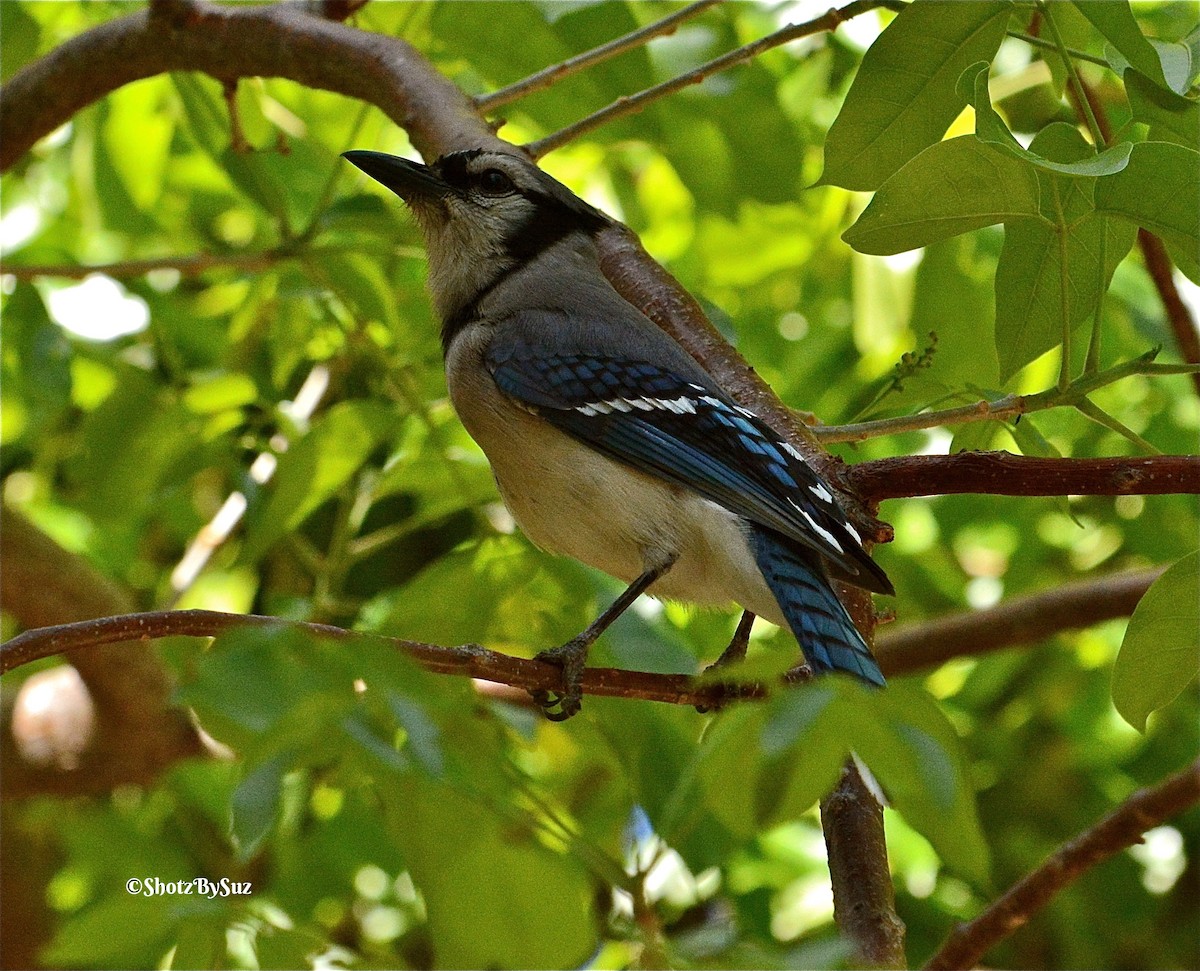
827, 635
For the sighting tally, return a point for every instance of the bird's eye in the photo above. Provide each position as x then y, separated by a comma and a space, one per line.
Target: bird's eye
493, 182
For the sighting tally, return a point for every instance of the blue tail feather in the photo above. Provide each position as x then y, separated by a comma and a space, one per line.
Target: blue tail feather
827, 635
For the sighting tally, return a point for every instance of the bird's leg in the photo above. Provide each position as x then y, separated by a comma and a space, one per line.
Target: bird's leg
735, 652
572, 656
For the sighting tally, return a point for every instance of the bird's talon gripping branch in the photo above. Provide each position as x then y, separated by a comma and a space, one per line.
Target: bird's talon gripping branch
736, 651
571, 658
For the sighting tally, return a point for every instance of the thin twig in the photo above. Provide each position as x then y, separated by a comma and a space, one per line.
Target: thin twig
1010, 406
469, 661
632, 104
967, 944
186, 265
597, 55
1072, 74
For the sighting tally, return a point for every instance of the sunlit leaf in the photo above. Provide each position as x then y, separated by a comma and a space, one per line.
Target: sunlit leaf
950, 188
1114, 20
1159, 656
904, 96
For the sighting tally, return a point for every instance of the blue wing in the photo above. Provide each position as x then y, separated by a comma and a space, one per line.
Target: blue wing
680, 430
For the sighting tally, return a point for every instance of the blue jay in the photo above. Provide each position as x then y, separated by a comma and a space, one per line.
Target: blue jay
609, 443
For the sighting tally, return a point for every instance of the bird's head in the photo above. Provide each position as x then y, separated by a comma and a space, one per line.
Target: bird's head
482, 213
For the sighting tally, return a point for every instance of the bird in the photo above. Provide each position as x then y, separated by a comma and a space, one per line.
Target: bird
609, 443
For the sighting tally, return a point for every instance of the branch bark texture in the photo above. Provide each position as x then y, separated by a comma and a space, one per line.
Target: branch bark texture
968, 943
1006, 474
1021, 620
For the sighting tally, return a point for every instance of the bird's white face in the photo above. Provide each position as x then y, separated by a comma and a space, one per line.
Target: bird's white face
467, 228
482, 213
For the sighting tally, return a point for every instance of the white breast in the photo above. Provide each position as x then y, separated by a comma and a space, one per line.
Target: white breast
573, 500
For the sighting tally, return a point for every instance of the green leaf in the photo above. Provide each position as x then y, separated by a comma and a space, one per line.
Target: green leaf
990, 127
950, 188
528, 906
118, 931
1176, 60
1030, 277
1160, 191
1114, 19
1170, 117
360, 281
220, 392
916, 754
904, 95
804, 745
1066, 247
256, 804
1158, 657
316, 467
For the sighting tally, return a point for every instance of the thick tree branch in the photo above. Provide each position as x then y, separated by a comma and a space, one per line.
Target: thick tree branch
137, 731
864, 900
1145, 809
1006, 474
1020, 620
232, 41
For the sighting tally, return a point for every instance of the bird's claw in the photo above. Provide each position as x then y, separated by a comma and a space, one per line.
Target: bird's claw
561, 705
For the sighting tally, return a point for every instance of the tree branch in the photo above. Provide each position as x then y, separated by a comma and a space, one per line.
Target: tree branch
864, 900
468, 661
597, 55
185, 265
275, 40
1006, 474
632, 104
1145, 809
137, 731
1019, 620
1158, 265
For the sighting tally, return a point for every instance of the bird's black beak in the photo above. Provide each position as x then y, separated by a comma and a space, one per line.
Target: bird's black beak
411, 181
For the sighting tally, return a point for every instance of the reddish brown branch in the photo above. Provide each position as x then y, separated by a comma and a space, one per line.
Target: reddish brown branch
864, 901
1006, 474
469, 661
231, 41
1021, 620
1158, 265
968, 943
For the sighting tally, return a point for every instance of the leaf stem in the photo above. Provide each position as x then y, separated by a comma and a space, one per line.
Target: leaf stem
1009, 406
1101, 417
597, 55
1047, 45
1091, 363
1064, 286
1073, 75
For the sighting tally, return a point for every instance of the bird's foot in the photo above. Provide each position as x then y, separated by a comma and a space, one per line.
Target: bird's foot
736, 651
571, 657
